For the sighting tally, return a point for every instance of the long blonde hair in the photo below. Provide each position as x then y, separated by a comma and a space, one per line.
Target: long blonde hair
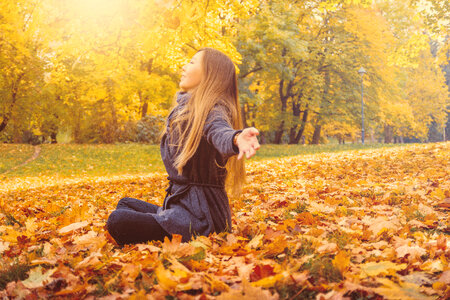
218, 86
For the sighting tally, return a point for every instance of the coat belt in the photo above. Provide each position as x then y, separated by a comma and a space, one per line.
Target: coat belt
187, 185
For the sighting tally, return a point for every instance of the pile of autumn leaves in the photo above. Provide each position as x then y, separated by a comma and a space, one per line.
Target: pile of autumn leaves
367, 224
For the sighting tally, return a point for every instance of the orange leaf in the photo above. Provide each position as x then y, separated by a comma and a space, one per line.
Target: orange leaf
341, 261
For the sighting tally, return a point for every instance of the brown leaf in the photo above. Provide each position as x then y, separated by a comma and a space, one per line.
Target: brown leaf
445, 277
248, 292
261, 271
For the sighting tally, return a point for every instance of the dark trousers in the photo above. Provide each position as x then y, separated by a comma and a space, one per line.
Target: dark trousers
133, 222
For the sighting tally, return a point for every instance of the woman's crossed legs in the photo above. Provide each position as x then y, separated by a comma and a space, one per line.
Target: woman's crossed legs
133, 222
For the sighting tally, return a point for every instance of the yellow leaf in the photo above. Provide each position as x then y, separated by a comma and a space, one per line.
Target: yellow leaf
433, 266
141, 295
31, 225
268, 282
438, 193
329, 247
165, 278
73, 227
87, 238
380, 225
11, 235
247, 292
216, 285
414, 252
90, 261
341, 261
401, 291
382, 267
255, 242
37, 278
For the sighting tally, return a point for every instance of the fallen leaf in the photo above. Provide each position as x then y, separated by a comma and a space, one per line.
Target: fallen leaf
380, 268
36, 278
248, 292
327, 248
401, 291
341, 261
3, 246
414, 252
445, 277
73, 227
261, 271
255, 242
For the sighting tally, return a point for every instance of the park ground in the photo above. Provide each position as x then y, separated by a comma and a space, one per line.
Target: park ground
322, 222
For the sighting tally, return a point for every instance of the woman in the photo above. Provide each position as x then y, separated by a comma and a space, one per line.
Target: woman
198, 148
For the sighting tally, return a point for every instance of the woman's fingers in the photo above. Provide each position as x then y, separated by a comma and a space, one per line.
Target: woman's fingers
250, 143
251, 131
254, 131
250, 152
241, 153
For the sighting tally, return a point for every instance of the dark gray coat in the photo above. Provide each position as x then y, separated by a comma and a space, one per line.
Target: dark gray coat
196, 202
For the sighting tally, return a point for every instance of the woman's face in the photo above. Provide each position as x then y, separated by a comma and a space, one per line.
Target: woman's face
192, 73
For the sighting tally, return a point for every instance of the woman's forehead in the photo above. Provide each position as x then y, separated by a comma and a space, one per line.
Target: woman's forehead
198, 55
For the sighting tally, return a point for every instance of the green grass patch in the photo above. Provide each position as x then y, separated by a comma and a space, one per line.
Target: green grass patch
14, 273
275, 151
14, 154
322, 268
91, 160
77, 160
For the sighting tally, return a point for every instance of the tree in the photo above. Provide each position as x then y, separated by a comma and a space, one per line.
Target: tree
21, 65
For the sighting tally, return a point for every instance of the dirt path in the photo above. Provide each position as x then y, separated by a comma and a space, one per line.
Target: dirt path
37, 151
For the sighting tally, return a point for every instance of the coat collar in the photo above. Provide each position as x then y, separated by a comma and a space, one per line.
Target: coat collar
182, 97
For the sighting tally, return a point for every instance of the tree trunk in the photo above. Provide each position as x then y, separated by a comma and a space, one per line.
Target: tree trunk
112, 133
292, 133
244, 115
279, 133
77, 127
283, 98
387, 134
302, 127
262, 137
53, 138
144, 110
144, 106
8, 112
316, 135
296, 114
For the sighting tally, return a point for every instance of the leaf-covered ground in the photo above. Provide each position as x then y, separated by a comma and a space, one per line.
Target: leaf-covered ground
369, 224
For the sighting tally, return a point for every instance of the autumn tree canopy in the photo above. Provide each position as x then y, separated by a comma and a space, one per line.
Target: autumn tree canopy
99, 70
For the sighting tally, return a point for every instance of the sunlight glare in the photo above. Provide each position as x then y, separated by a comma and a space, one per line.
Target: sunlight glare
97, 9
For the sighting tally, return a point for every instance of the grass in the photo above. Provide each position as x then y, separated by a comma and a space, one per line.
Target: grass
89, 159
274, 151
78, 160
13, 154
15, 272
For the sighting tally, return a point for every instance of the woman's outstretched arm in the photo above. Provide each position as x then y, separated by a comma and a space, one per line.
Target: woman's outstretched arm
220, 134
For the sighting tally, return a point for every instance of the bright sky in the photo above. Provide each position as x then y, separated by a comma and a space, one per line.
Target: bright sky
96, 9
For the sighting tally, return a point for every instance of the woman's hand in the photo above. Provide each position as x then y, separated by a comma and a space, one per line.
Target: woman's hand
247, 142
